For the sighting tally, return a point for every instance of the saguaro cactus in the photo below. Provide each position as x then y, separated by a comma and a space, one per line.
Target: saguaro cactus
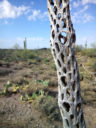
25, 44
63, 49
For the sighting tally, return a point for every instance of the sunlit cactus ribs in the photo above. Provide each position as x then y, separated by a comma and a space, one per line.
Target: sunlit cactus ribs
63, 50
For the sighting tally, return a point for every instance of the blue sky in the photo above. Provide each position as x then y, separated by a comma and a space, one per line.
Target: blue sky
29, 18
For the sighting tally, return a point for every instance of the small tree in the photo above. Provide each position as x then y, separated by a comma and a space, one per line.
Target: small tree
25, 44
93, 45
16, 46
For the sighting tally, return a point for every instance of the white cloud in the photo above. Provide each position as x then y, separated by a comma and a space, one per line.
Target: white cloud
88, 1
76, 4
84, 9
44, 15
81, 16
82, 2
87, 18
36, 14
7, 10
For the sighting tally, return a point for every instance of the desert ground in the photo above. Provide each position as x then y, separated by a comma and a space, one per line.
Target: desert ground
29, 88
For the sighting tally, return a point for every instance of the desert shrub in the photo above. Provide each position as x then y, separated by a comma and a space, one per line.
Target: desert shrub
53, 84
93, 45
46, 60
89, 52
16, 55
22, 55
94, 66
20, 81
6, 54
81, 76
30, 55
16, 46
26, 54
38, 59
79, 48
43, 82
4, 72
49, 107
54, 67
2, 54
30, 94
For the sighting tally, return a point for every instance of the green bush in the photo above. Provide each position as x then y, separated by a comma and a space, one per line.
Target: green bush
38, 59
53, 84
89, 52
54, 67
94, 66
79, 48
46, 60
81, 76
22, 55
31, 56
50, 108
43, 82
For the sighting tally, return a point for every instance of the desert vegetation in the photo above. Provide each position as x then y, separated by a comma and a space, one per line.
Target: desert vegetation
29, 88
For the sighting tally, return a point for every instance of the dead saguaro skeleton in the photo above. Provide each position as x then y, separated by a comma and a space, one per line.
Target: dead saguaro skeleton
63, 49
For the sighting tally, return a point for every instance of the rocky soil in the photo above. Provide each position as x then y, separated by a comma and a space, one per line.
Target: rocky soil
31, 99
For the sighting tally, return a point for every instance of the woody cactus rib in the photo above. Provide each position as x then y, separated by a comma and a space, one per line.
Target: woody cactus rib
63, 50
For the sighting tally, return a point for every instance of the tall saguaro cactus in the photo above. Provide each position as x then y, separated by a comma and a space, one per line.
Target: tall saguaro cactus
63, 49
25, 44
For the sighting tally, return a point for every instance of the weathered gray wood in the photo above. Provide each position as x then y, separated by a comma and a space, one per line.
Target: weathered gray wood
62, 43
